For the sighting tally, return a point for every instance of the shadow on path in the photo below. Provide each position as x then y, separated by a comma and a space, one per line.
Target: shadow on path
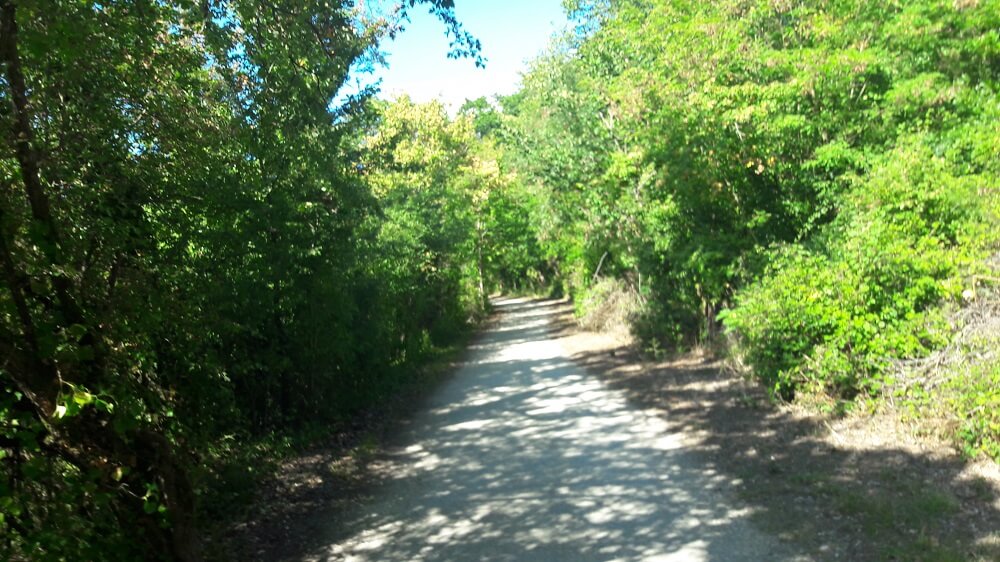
524, 456
839, 502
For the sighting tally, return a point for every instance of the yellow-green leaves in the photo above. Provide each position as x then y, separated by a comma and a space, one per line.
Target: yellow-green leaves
75, 398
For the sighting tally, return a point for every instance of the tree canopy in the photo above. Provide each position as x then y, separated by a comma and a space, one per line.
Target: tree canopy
203, 242
817, 179
198, 243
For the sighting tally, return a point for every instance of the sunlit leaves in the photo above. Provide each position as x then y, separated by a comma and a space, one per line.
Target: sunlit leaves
214, 272
755, 151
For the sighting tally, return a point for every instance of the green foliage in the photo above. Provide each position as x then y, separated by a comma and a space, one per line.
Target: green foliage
819, 177
974, 398
192, 253
422, 168
198, 247
833, 313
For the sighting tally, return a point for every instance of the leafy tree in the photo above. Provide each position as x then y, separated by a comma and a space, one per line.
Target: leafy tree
182, 244
810, 172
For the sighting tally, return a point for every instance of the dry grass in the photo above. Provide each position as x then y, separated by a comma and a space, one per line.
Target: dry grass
608, 307
952, 394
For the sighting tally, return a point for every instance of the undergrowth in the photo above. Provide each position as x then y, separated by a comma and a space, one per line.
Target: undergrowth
955, 392
608, 305
237, 465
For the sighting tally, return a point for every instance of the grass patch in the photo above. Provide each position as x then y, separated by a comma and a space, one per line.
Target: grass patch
901, 517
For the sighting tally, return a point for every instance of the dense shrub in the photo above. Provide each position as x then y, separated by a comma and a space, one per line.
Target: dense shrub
195, 257
820, 177
833, 313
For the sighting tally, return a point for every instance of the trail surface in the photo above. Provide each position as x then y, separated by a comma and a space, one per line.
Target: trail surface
522, 456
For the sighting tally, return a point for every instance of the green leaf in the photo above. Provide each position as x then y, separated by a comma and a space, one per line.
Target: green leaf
82, 398
76, 331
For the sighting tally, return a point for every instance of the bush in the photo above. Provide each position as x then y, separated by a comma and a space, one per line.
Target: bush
831, 314
955, 392
608, 305
973, 397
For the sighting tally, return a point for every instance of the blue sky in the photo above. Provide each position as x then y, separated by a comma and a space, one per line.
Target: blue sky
511, 31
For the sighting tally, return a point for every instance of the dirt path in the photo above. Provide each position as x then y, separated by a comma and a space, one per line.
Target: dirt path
550, 442
523, 455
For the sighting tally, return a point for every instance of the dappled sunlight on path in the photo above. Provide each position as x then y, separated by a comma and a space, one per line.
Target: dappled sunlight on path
523, 456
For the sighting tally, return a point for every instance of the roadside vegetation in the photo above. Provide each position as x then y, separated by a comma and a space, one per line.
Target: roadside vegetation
206, 260
814, 184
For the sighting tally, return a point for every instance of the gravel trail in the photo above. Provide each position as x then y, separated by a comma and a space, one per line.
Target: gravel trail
522, 456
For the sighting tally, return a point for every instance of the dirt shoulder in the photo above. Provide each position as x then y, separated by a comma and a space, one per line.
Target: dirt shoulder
293, 508
861, 487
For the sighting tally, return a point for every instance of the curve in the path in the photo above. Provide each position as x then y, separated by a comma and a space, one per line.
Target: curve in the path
523, 457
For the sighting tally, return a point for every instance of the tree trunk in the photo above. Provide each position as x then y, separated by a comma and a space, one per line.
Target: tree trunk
479, 263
